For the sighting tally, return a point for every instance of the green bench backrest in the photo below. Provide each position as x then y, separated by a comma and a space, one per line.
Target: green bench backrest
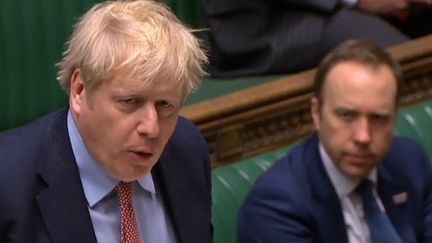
416, 122
232, 183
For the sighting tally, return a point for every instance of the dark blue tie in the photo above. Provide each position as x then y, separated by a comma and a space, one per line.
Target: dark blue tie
380, 227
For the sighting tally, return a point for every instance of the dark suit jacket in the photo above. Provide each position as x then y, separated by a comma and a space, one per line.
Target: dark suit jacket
41, 196
250, 37
296, 202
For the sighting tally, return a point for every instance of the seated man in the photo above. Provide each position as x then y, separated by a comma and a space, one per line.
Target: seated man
252, 37
352, 181
118, 164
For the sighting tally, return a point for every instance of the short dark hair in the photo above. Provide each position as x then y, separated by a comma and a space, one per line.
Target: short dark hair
361, 51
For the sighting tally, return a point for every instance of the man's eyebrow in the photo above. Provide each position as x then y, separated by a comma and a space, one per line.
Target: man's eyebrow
345, 108
381, 113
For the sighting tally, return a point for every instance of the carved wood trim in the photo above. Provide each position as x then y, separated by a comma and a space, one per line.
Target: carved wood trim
267, 116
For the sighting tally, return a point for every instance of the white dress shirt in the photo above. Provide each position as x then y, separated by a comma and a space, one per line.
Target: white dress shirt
352, 208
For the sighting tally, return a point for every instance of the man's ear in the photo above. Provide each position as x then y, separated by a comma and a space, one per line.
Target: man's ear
77, 92
315, 112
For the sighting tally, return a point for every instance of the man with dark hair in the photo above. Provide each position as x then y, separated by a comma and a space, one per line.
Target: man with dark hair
352, 181
253, 37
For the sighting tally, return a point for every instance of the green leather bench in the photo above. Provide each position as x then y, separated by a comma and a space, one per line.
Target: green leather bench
231, 183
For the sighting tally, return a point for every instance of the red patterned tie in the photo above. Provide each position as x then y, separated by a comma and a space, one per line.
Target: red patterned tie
129, 226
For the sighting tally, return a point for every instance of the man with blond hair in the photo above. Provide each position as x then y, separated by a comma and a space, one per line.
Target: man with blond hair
119, 164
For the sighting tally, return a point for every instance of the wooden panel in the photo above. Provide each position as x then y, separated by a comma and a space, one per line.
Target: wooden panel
273, 114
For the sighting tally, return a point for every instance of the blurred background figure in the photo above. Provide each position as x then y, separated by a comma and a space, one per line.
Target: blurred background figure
252, 37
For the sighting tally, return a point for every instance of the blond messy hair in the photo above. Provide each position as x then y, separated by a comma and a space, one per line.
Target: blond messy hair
142, 38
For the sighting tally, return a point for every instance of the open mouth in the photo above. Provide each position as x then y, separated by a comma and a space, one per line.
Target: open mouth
141, 155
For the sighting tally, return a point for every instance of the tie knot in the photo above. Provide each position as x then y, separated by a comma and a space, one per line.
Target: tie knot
380, 226
124, 190
124, 187
365, 189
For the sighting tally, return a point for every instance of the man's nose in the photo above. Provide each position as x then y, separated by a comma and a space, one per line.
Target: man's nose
362, 133
148, 121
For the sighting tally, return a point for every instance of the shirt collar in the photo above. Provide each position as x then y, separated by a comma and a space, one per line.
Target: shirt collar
96, 183
342, 183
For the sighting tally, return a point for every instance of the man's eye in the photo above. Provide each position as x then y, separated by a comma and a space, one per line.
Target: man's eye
165, 108
346, 115
129, 101
128, 104
380, 118
164, 104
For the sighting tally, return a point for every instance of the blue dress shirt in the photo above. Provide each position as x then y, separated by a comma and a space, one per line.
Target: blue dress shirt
102, 201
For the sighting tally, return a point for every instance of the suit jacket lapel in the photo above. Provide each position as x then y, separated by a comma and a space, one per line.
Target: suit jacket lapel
62, 203
330, 218
394, 196
173, 174
167, 173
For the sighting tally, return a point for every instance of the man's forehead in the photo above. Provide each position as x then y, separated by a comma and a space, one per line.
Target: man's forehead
356, 77
381, 111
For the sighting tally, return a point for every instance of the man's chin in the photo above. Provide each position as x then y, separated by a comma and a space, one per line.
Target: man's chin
132, 171
357, 171
132, 177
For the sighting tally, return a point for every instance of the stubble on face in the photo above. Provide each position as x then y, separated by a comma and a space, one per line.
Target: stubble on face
356, 116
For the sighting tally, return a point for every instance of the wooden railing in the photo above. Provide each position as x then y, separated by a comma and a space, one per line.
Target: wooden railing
267, 116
